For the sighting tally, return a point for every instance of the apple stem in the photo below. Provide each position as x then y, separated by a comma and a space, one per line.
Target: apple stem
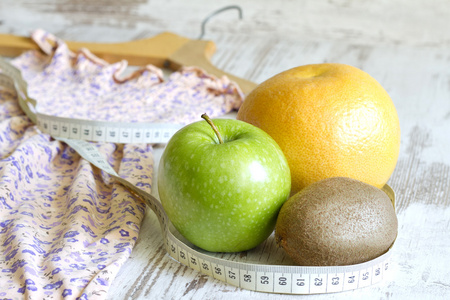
210, 122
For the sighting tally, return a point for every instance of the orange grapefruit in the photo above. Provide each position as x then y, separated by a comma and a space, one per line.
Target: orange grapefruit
330, 120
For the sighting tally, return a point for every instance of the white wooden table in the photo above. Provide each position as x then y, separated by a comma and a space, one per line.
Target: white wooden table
405, 45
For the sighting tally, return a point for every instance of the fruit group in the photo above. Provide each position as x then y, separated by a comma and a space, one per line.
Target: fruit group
223, 197
330, 120
336, 221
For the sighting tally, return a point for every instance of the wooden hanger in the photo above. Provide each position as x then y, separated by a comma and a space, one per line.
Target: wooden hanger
163, 50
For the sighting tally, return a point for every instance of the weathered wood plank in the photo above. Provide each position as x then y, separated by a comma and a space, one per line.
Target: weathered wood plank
415, 22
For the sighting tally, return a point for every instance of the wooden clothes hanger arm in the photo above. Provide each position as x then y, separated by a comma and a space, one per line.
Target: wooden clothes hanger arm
198, 53
163, 50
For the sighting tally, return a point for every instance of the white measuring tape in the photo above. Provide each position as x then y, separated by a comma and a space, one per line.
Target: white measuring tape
256, 277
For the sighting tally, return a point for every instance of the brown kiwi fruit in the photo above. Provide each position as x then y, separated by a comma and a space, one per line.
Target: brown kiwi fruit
336, 221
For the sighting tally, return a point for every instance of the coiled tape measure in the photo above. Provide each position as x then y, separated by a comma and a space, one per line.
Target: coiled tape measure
256, 277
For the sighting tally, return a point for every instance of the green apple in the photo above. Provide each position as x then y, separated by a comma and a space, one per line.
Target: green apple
222, 186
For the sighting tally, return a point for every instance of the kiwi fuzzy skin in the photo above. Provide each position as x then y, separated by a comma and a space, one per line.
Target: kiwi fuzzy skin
336, 221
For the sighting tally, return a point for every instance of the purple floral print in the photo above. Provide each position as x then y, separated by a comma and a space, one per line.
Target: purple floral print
66, 227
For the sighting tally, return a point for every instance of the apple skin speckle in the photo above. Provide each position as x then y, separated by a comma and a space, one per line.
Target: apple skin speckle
223, 197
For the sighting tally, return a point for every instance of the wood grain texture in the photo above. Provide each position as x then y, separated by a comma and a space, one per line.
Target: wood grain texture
414, 22
405, 45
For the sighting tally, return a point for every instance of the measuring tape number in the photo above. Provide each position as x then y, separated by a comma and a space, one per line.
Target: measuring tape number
256, 277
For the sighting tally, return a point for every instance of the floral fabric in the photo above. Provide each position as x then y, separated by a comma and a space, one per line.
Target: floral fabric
66, 227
